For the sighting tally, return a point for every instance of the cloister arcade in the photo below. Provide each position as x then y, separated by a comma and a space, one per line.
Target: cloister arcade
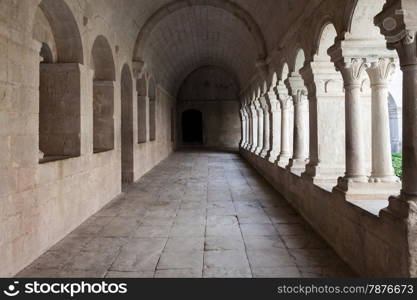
314, 95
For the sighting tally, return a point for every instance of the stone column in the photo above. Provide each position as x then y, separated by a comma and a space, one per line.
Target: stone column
260, 131
249, 128
275, 126
301, 131
380, 73
402, 38
353, 71
254, 140
266, 129
286, 106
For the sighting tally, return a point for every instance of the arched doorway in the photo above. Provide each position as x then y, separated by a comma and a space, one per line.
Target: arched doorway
192, 127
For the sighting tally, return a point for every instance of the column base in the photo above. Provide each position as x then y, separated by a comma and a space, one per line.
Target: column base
272, 157
283, 161
264, 153
258, 150
324, 174
297, 166
384, 179
359, 188
400, 207
252, 149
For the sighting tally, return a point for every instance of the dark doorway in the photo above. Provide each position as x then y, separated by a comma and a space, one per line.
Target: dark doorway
192, 127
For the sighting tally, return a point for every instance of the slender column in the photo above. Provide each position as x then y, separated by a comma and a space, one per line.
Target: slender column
254, 139
260, 132
275, 126
286, 105
353, 71
301, 132
266, 130
380, 73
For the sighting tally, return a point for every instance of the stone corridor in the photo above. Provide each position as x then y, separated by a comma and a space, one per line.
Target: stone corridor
197, 214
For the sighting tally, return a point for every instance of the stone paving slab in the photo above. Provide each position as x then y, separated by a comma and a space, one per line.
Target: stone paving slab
196, 215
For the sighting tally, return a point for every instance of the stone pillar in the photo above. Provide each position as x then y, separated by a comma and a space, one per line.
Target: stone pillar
254, 139
243, 128
266, 129
275, 126
327, 122
398, 23
286, 106
301, 131
260, 131
353, 72
249, 128
380, 73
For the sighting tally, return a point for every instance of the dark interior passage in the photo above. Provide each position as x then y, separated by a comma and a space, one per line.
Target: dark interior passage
192, 127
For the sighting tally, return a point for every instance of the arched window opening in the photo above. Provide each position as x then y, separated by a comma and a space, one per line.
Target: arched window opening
192, 127
126, 85
103, 96
395, 125
152, 111
59, 81
143, 106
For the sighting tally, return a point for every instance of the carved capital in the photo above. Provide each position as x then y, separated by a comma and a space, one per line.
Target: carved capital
381, 71
295, 83
352, 70
301, 98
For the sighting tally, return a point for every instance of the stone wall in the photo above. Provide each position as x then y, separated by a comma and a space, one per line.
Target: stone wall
214, 92
41, 203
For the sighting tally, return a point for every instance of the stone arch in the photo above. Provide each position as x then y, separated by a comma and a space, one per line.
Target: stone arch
65, 30
226, 5
102, 63
126, 89
273, 80
285, 71
60, 54
361, 19
299, 60
264, 87
102, 60
325, 40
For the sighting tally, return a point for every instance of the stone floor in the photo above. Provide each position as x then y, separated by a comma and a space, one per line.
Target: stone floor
197, 214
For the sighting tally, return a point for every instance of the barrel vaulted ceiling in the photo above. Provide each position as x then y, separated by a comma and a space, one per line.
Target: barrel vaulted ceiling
175, 37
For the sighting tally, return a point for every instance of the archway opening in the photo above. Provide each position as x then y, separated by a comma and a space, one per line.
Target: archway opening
103, 95
127, 125
192, 127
